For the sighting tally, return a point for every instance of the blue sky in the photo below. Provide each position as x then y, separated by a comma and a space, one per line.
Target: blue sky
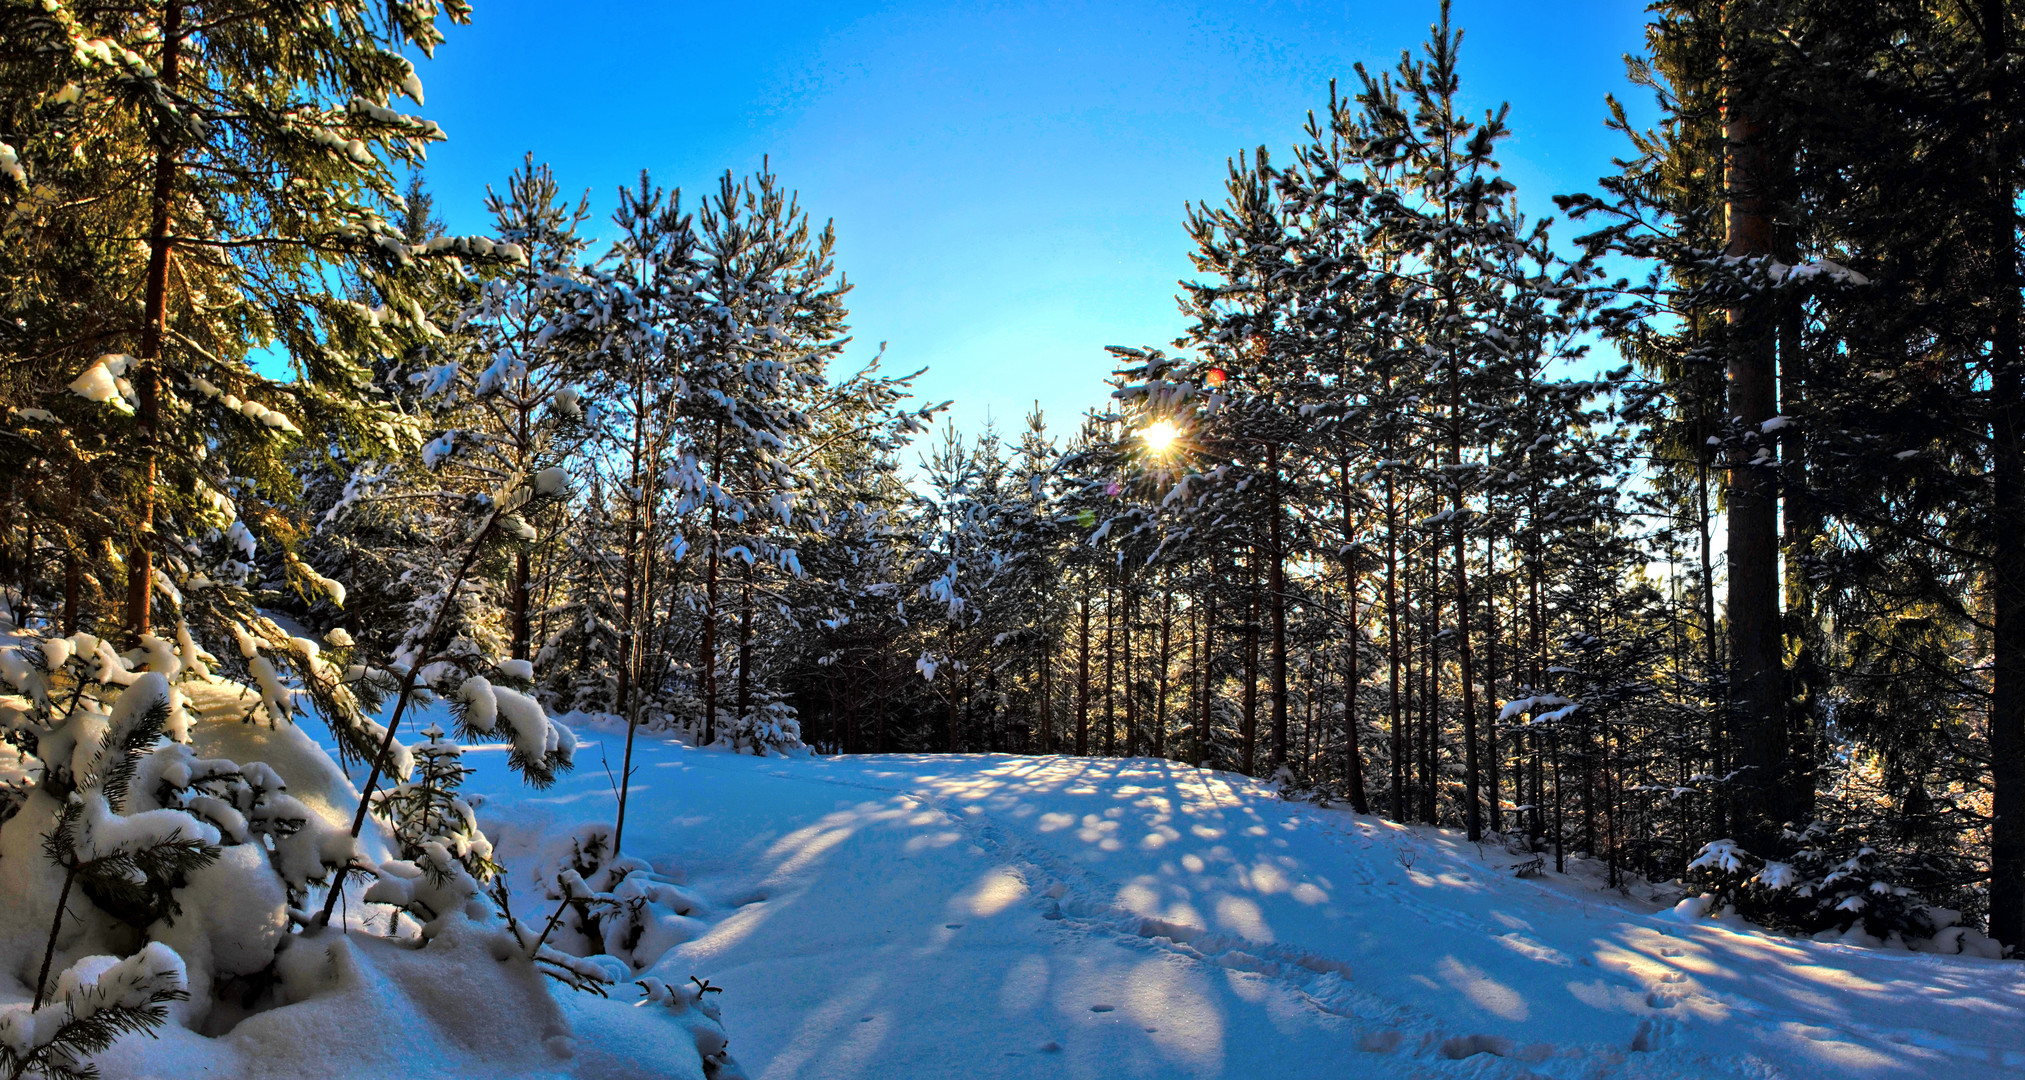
1007, 180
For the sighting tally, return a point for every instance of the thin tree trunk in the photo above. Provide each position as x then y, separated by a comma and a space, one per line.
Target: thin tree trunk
707, 648
1160, 684
1803, 522
1392, 650
1278, 601
1128, 609
1208, 676
1083, 674
154, 324
1249, 737
745, 646
1047, 732
27, 575
1473, 818
72, 586
1353, 751
1111, 662
1430, 703
1491, 741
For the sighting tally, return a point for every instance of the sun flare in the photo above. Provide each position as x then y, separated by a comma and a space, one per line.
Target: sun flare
1159, 435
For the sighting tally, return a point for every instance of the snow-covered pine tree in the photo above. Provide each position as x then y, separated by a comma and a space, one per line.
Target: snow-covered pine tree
197, 860
645, 322
504, 397
264, 179
771, 318
425, 808
97, 1000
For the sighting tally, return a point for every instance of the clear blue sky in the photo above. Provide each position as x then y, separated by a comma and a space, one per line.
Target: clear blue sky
1007, 179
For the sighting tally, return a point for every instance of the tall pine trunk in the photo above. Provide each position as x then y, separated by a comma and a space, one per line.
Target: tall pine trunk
2007, 703
1353, 753
1249, 736
1208, 670
1083, 674
706, 651
1278, 601
1492, 795
1159, 748
745, 645
1392, 650
518, 600
1125, 594
1111, 662
1757, 668
154, 325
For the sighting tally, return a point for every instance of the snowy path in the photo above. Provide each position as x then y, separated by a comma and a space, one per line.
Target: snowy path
990, 916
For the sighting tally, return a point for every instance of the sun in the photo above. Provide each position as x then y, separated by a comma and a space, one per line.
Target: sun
1159, 435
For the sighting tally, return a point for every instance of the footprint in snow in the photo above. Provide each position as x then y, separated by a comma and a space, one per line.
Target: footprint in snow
1462, 1046
1379, 1042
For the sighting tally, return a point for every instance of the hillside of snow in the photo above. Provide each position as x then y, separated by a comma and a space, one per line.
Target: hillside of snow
993, 916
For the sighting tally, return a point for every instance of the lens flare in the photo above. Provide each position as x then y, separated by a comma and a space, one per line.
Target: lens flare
1159, 435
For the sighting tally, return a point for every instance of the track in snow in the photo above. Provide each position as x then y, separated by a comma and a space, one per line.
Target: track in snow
992, 916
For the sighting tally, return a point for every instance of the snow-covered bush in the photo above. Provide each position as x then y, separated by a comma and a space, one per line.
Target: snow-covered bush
98, 999
426, 810
1829, 880
619, 906
121, 842
693, 1009
769, 728
1291, 784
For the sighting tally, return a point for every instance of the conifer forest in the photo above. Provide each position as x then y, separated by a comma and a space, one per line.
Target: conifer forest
1482, 643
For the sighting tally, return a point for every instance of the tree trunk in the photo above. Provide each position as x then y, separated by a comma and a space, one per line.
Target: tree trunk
1430, 701
1047, 725
1803, 522
2007, 704
1392, 650
1083, 675
27, 575
706, 653
154, 325
1249, 737
1757, 675
1159, 749
518, 599
72, 585
1492, 743
1208, 670
1353, 754
1278, 601
1128, 609
745, 645
1473, 815
1111, 663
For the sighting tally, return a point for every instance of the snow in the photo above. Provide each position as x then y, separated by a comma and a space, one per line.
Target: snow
100, 381
996, 916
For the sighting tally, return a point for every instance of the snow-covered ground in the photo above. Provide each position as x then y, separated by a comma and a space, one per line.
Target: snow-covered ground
992, 916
